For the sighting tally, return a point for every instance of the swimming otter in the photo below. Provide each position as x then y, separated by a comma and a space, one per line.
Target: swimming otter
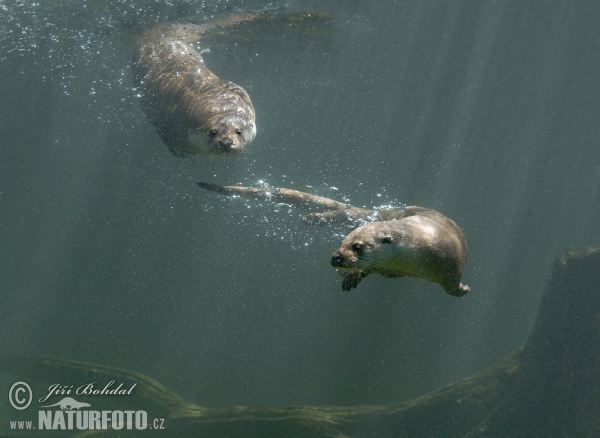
422, 243
192, 110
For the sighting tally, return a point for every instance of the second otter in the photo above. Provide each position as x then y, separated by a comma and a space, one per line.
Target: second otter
192, 110
420, 243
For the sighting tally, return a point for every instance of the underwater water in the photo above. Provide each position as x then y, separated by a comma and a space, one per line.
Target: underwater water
110, 253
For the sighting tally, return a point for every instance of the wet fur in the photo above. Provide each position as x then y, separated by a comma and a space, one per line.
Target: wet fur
182, 98
421, 243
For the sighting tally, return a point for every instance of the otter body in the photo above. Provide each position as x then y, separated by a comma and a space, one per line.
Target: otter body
420, 243
192, 110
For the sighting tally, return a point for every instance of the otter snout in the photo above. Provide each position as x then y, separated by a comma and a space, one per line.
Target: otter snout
225, 145
337, 259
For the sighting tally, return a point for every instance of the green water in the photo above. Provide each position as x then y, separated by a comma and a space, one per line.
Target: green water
110, 253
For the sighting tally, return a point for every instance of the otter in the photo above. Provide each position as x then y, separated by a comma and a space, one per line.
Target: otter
421, 242
192, 110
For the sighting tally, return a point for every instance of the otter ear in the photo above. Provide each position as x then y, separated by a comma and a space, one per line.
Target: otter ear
386, 239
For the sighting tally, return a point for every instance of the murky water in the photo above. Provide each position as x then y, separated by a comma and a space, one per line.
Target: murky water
110, 253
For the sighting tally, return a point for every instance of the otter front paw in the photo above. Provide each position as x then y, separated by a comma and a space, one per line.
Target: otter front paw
352, 278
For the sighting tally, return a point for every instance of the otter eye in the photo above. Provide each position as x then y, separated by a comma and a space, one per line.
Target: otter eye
386, 239
213, 133
239, 132
357, 248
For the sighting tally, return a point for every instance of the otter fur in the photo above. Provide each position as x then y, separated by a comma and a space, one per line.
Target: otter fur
421, 242
192, 110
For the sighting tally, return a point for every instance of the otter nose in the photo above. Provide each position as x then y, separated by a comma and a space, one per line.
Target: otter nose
336, 258
226, 144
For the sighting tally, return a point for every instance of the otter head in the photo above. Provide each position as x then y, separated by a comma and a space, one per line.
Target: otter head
231, 133
363, 248
223, 135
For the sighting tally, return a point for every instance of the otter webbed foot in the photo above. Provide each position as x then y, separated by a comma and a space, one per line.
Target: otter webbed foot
460, 290
351, 279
